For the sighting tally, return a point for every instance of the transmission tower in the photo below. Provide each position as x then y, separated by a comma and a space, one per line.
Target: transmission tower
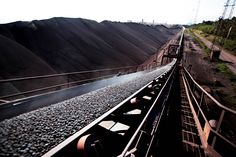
216, 52
232, 9
225, 10
230, 16
198, 5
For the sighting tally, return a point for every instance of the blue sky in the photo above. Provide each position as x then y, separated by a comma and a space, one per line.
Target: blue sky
161, 11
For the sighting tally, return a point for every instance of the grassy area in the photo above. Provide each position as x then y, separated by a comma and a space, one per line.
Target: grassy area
230, 45
230, 100
227, 44
226, 71
228, 29
226, 98
201, 44
222, 67
207, 28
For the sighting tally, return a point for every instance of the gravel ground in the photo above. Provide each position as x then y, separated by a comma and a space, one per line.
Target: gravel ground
36, 132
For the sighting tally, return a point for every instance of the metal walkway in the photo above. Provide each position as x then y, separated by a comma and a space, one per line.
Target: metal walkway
208, 127
170, 115
186, 129
179, 117
190, 138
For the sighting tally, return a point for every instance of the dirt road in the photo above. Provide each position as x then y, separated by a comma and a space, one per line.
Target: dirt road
207, 74
225, 55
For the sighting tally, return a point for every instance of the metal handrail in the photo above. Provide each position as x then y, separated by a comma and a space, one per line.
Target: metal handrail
56, 149
205, 92
154, 103
215, 132
54, 86
127, 68
62, 74
146, 116
204, 117
181, 38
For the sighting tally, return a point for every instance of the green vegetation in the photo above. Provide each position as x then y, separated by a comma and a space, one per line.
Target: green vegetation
227, 98
228, 73
228, 30
230, 45
224, 69
207, 30
232, 77
230, 100
200, 43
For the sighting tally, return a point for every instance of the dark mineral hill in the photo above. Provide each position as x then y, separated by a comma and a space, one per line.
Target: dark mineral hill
72, 44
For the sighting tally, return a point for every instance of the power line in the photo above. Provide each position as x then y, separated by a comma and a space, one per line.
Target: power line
196, 14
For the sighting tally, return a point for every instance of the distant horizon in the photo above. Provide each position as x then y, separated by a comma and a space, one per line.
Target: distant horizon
183, 12
128, 21
142, 21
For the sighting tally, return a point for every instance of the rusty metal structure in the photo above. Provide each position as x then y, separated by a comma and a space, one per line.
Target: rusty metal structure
212, 119
173, 50
72, 79
172, 112
157, 118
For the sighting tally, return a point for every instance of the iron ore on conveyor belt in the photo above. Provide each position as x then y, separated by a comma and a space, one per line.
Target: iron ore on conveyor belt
36, 132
